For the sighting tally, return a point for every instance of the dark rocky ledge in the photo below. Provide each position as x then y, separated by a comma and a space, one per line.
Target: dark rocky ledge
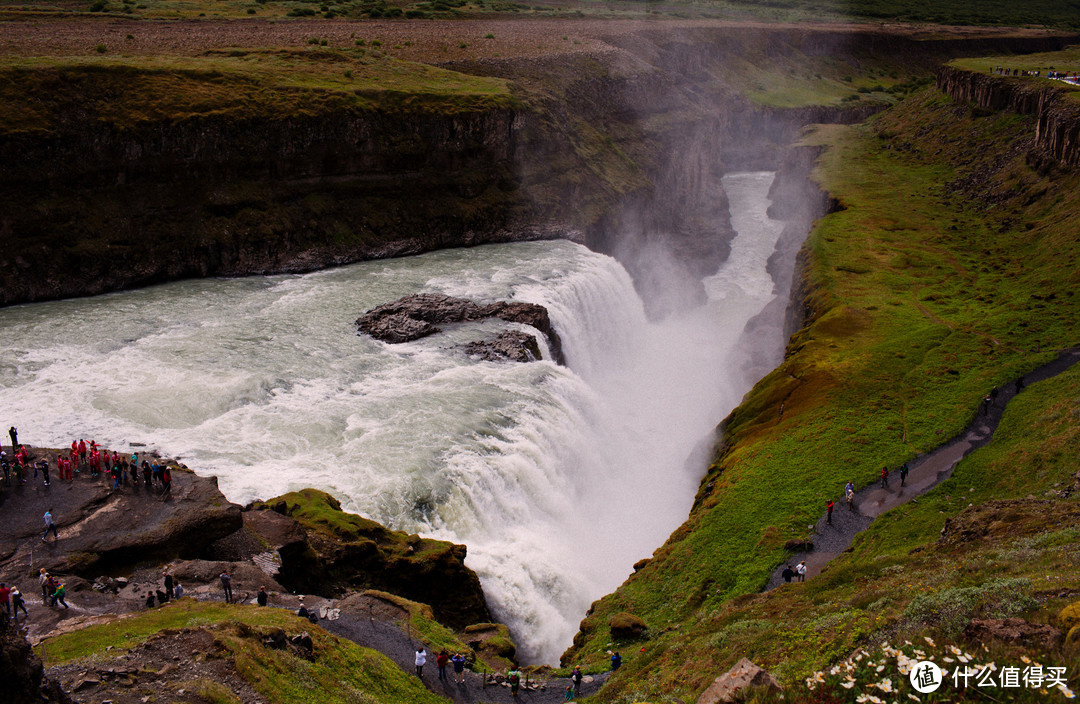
416, 316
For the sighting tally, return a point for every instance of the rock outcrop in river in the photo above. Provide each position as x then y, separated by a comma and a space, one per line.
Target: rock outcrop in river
417, 316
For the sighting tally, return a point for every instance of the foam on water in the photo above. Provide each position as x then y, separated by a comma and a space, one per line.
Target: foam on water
557, 478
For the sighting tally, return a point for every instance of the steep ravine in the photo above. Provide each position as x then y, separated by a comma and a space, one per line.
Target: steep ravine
621, 149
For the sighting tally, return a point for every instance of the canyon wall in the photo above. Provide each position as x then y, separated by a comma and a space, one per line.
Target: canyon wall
621, 149
1057, 108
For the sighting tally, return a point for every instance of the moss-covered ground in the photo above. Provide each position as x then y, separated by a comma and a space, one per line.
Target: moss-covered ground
1055, 13
238, 84
951, 269
341, 671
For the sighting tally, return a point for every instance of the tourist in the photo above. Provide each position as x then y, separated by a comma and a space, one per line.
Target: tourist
441, 661
43, 465
788, 573
302, 612
575, 677
568, 696
146, 474
17, 602
6, 467
178, 591
828, 512
49, 526
43, 582
884, 477
903, 474
150, 603
850, 499
420, 660
5, 598
616, 661
14, 435
800, 570
168, 582
162, 597
514, 678
226, 586
58, 595
262, 597
166, 481
459, 667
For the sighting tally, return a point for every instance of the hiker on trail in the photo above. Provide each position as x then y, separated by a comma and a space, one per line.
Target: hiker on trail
800, 569
514, 678
828, 512
262, 597
788, 573
6, 467
884, 477
43, 465
17, 602
850, 499
58, 596
43, 582
178, 591
82, 452
904, 469
420, 660
49, 526
616, 661
5, 599
14, 435
986, 405
569, 695
166, 481
146, 474
575, 677
441, 661
226, 585
459, 667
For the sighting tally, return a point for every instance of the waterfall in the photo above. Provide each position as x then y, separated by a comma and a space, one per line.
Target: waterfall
558, 478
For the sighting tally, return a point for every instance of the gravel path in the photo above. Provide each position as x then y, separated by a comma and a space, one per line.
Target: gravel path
399, 646
927, 471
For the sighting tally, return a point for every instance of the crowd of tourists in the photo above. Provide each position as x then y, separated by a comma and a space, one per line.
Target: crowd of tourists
1068, 76
84, 458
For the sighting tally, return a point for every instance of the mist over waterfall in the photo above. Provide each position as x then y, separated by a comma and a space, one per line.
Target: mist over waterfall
558, 478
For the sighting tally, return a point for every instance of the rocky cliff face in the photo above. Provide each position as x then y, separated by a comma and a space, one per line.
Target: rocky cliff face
622, 149
1057, 110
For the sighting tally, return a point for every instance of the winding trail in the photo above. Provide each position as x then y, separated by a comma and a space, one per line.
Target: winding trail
927, 471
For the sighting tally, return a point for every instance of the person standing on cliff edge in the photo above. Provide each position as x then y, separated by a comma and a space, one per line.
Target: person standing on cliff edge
14, 435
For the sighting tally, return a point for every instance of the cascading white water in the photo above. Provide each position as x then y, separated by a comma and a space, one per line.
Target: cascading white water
557, 478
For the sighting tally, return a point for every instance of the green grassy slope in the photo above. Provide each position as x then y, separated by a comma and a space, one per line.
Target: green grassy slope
340, 672
950, 270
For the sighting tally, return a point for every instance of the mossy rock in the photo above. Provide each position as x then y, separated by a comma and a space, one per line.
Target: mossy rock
627, 626
1072, 641
1069, 617
491, 642
355, 553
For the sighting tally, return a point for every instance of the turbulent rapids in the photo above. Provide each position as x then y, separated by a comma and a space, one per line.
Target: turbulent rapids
557, 478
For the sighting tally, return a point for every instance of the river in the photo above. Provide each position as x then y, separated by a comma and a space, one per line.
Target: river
558, 478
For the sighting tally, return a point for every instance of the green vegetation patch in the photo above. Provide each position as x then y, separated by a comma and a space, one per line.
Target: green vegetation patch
341, 671
242, 84
950, 269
